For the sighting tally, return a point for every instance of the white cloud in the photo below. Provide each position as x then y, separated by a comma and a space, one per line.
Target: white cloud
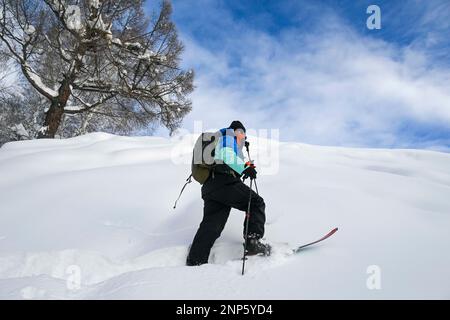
331, 86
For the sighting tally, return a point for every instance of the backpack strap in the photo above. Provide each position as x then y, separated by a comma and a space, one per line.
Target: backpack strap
188, 180
225, 137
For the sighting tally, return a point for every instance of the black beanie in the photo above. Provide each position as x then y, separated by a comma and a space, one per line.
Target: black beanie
236, 125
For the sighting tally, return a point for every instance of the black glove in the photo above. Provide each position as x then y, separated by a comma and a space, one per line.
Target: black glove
249, 172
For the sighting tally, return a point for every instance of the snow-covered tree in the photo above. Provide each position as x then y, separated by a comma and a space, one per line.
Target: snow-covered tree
98, 57
20, 115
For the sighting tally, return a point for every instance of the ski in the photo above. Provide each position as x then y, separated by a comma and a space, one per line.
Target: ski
290, 251
329, 234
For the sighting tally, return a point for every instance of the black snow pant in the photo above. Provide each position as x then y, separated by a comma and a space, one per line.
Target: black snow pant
217, 206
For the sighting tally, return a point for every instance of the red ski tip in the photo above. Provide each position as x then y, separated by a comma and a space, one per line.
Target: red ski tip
329, 234
332, 232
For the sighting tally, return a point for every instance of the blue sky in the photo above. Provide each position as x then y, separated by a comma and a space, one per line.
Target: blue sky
313, 70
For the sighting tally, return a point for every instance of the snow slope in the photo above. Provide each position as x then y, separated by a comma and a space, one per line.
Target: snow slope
97, 210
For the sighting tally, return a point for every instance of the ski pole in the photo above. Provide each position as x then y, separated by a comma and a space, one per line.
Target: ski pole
188, 180
247, 144
256, 187
247, 216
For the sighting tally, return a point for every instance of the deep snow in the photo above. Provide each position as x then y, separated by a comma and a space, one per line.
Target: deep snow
101, 205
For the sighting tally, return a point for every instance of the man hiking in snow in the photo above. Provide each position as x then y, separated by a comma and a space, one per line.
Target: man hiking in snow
224, 190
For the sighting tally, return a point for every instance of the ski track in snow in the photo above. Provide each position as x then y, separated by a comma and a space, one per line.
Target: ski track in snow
101, 205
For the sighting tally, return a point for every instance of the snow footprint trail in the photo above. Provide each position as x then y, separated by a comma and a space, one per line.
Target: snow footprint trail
30, 275
93, 266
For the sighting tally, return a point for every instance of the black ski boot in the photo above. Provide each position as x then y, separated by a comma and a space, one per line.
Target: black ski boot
255, 246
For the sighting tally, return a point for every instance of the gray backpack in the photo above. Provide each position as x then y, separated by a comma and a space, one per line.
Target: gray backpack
202, 159
203, 156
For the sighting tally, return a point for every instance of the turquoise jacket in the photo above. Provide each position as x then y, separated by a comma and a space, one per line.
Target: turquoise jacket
229, 152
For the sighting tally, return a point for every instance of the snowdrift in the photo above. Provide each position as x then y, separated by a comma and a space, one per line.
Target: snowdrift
91, 218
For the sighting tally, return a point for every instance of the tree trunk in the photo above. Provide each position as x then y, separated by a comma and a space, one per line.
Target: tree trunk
52, 121
55, 112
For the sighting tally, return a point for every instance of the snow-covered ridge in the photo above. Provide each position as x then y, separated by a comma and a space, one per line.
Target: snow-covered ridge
103, 204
